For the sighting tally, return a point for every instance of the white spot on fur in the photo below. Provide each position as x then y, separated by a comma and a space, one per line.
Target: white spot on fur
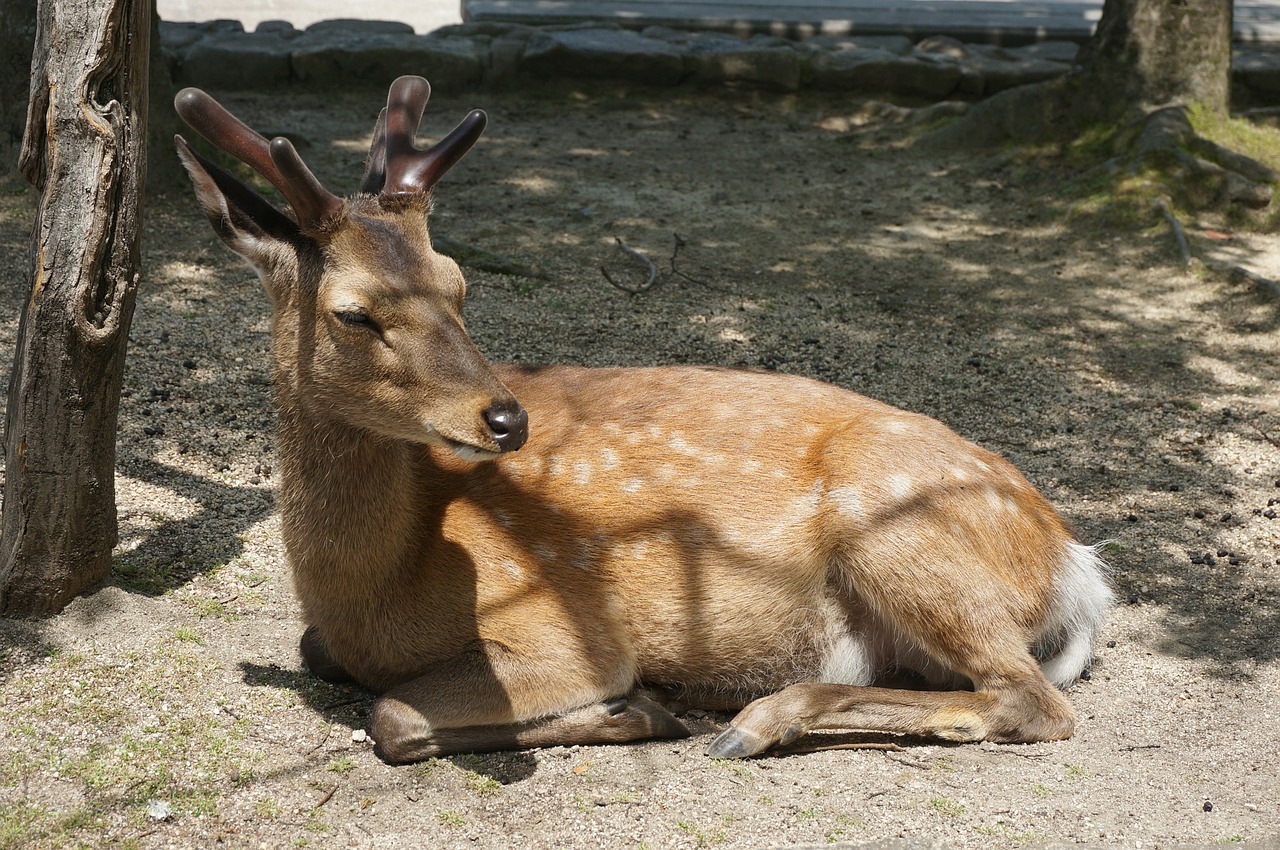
1079, 607
848, 503
544, 553
631, 485
959, 473
899, 486
555, 465
514, 571
897, 426
581, 472
680, 445
749, 467
609, 459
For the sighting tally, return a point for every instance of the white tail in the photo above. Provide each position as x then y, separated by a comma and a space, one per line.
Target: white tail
712, 537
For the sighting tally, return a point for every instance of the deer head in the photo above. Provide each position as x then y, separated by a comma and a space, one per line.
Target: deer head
368, 318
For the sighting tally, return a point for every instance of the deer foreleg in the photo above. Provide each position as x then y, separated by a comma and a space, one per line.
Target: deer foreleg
482, 701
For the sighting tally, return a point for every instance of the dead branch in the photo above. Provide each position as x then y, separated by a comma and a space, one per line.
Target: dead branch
1178, 233
630, 290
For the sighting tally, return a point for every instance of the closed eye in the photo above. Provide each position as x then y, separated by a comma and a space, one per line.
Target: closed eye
357, 318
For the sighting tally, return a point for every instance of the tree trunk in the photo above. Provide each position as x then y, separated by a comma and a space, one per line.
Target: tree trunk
1150, 54
85, 152
17, 35
1146, 55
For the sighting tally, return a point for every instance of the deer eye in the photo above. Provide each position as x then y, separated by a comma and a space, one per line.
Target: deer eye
356, 319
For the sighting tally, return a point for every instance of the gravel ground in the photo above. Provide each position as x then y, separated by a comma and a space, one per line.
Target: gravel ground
169, 709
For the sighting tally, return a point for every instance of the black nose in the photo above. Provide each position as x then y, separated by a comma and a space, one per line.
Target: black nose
508, 423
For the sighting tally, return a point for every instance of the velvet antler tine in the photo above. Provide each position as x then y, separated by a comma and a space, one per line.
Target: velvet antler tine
406, 101
210, 119
311, 201
277, 160
410, 171
375, 170
444, 154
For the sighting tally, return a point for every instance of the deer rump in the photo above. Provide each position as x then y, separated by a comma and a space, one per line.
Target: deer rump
657, 538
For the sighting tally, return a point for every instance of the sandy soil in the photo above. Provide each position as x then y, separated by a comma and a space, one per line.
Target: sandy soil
169, 708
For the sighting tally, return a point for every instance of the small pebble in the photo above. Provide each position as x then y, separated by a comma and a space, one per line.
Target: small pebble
188, 363
1199, 514
358, 736
159, 810
1208, 806
1111, 644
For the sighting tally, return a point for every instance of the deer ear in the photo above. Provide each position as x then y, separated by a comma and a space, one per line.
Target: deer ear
243, 219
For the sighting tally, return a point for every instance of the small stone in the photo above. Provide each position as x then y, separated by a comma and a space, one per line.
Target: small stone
188, 363
153, 430
1208, 806
1198, 514
1111, 644
1131, 518
1222, 553
358, 736
1226, 518
159, 810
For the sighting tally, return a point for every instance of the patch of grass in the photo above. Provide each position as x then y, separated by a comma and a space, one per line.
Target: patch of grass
1041, 790
1022, 839
346, 764
703, 836
947, 807
267, 808
1077, 772
449, 818
481, 784
845, 824
1237, 134
186, 635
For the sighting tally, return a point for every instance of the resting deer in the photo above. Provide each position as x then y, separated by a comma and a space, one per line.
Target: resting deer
708, 536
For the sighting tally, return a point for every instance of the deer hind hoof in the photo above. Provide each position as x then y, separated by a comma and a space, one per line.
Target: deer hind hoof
733, 743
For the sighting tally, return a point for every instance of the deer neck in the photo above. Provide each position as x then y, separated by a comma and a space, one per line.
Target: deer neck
355, 506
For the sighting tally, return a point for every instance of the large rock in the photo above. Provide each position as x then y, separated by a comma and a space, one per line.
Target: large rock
879, 71
1256, 69
756, 62
328, 58
603, 53
237, 61
355, 26
987, 69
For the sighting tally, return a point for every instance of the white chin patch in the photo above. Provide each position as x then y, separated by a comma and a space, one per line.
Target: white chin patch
471, 453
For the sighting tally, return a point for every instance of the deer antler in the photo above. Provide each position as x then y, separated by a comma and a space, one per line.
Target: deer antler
395, 164
277, 160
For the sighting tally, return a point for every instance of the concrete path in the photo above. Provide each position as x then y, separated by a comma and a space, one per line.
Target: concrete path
1009, 21
423, 15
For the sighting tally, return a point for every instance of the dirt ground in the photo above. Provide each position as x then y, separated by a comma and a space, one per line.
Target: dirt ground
169, 708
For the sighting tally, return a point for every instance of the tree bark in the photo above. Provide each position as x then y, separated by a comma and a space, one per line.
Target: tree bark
85, 151
17, 35
1151, 54
1146, 55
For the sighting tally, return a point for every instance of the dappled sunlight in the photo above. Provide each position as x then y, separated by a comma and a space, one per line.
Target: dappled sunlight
533, 183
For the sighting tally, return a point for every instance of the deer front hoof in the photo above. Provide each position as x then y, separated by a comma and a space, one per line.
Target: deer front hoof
733, 743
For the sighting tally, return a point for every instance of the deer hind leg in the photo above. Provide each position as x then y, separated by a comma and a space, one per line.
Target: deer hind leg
481, 701
1016, 712
944, 624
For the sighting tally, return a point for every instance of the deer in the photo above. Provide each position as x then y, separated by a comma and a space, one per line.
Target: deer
517, 557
